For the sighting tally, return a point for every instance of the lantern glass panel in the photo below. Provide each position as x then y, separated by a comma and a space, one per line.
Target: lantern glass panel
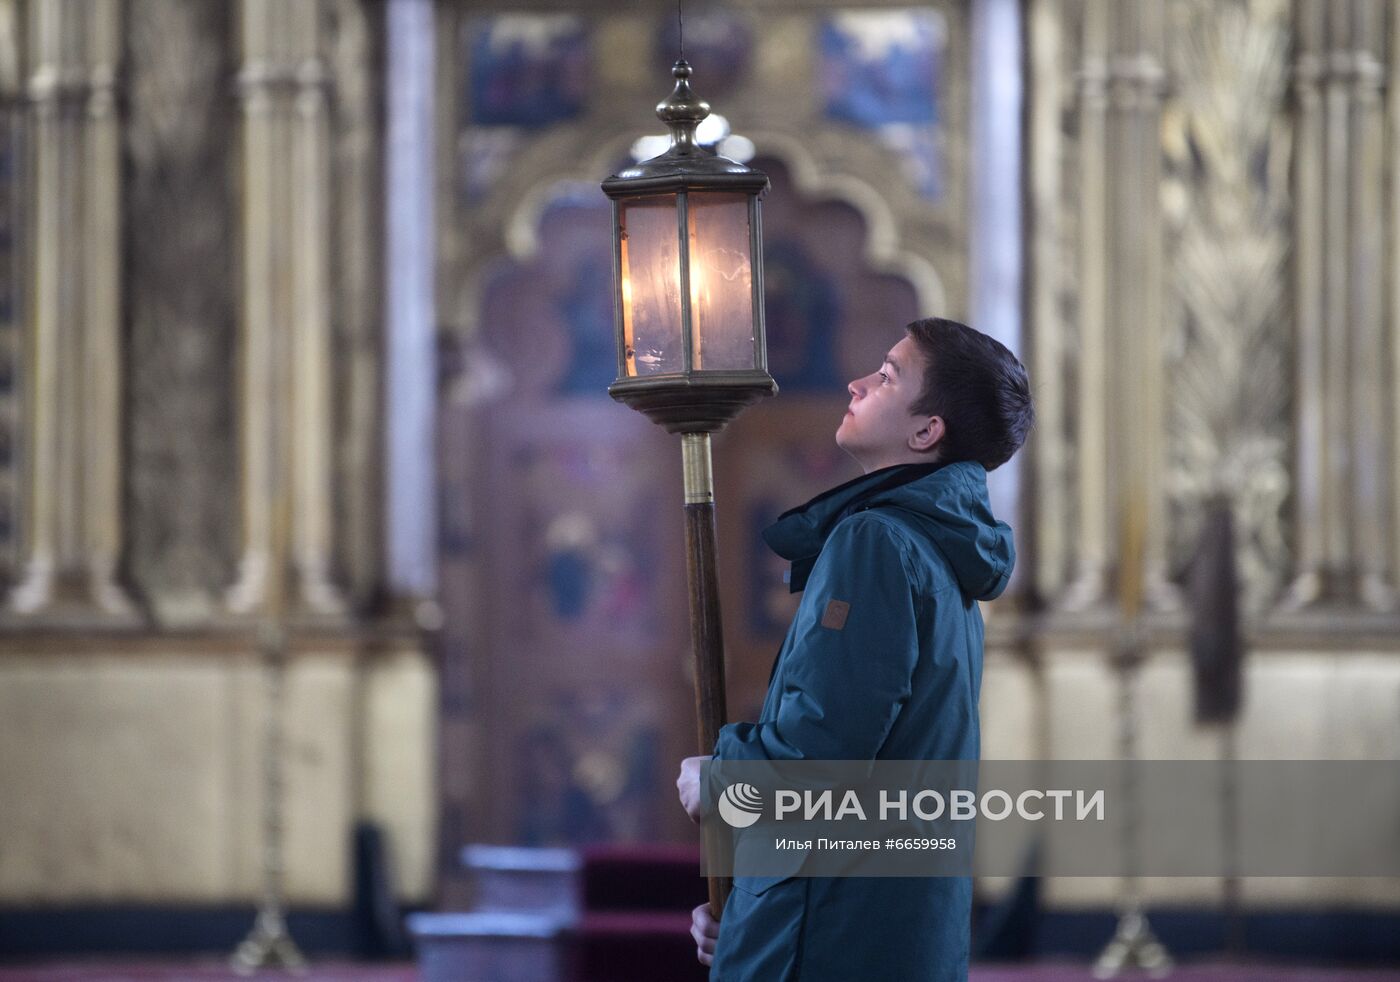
721, 281
651, 293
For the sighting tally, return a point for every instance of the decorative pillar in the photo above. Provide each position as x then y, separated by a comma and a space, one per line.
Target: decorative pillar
1090, 584
1370, 502
285, 333
71, 508
1344, 457
312, 533
1120, 401
1136, 81
1143, 223
12, 197
356, 63
257, 84
1392, 153
1336, 443
102, 307
1049, 473
1310, 482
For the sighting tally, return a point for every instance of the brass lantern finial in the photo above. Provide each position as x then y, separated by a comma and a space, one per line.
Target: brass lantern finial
682, 111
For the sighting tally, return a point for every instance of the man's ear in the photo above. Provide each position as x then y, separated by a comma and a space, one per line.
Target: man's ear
928, 437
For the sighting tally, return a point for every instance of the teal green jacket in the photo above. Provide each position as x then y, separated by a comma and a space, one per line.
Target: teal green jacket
883, 661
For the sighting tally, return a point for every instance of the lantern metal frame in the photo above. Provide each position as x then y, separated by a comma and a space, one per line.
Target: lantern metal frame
691, 400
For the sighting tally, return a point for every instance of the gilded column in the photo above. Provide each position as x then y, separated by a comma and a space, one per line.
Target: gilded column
1090, 584
72, 502
1121, 282
1370, 504
1043, 156
1149, 77
1136, 281
1128, 226
1309, 460
310, 324
285, 337
1345, 460
358, 282
50, 306
1392, 264
1336, 443
260, 399
102, 308
11, 274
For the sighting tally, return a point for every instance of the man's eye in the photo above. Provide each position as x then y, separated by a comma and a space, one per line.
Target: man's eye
884, 377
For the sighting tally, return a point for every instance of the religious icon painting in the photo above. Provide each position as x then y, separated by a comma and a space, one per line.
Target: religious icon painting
526, 70
879, 70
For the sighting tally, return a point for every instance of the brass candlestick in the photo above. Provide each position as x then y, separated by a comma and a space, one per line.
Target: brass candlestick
1133, 944
269, 943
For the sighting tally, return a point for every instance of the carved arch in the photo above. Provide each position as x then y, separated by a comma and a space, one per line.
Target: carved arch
507, 223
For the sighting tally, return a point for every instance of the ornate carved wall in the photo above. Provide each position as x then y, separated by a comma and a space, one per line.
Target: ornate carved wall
1210, 307
190, 330
170, 263
1166, 177
1194, 172
1211, 303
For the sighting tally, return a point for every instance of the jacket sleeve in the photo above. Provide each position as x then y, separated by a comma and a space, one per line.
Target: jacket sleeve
847, 674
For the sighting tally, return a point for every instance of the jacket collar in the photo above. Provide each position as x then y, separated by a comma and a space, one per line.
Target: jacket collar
799, 533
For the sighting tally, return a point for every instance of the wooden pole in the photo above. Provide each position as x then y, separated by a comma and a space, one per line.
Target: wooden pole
706, 635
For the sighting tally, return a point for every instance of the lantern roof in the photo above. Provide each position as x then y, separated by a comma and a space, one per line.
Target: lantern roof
685, 164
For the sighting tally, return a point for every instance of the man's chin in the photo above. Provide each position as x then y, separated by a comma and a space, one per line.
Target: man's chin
843, 441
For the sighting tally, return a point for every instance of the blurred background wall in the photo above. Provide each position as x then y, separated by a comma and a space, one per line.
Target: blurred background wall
328, 280
1198, 200
191, 316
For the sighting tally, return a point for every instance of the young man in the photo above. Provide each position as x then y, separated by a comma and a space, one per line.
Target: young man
884, 656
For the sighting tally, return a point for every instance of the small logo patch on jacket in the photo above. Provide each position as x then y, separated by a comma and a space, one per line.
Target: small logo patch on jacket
835, 616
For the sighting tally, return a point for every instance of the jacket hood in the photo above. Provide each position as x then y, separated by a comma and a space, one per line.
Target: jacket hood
947, 502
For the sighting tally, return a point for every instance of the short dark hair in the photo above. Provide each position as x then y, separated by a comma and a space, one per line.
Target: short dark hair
978, 387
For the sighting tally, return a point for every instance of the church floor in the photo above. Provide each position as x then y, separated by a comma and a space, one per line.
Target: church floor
199, 971
215, 971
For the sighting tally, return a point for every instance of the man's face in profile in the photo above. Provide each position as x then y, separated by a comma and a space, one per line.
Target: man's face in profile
880, 422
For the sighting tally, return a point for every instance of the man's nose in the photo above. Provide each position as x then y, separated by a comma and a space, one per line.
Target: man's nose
853, 388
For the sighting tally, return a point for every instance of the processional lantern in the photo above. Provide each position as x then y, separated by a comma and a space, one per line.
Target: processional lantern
691, 354
688, 271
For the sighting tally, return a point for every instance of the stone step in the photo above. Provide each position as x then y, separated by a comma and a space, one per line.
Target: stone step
490, 946
528, 919
523, 879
